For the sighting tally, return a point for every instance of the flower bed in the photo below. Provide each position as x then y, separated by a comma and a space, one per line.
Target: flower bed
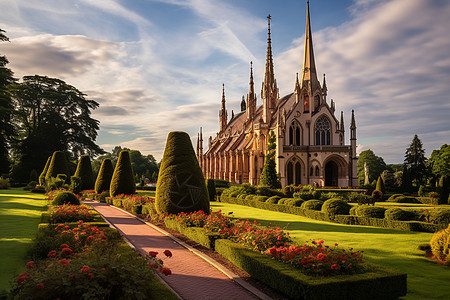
84, 261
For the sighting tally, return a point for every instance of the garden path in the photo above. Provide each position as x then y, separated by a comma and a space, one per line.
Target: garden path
194, 275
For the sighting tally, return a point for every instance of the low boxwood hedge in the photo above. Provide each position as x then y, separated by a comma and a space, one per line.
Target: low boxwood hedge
197, 234
377, 283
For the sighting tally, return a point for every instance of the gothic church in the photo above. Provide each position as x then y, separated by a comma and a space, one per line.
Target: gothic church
310, 139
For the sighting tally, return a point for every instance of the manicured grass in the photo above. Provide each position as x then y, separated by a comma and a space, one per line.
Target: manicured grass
391, 248
20, 214
146, 193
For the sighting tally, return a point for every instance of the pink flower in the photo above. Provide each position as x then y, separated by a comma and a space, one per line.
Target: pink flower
30, 264
85, 269
40, 286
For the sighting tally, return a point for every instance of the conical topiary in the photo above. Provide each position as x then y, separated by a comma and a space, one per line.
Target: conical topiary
58, 165
84, 172
380, 185
44, 172
181, 185
122, 181
104, 176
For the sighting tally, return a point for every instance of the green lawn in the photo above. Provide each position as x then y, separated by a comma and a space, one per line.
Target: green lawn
20, 214
392, 248
146, 193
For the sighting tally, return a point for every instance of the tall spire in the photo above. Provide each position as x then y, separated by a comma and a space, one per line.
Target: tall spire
342, 121
251, 97
269, 90
223, 112
353, 127
324, 89
309, 65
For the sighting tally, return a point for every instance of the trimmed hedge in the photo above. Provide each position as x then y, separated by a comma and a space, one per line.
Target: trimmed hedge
398, 214
312, 204
343, 219
335, 207
58, 165
104, 176
65, 198
197, 234
84, 172
370, 211
44, 172
181, 186
273, 199
378, 283
122, 181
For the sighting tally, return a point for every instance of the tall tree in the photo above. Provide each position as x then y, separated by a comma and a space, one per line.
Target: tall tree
7, 131
51, 115
375, 164
269, 173
415, 161
439, 161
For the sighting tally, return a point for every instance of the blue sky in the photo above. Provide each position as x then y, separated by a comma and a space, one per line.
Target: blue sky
158, 65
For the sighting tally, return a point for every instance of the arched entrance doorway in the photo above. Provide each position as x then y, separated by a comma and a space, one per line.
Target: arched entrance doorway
331, 174
297, 173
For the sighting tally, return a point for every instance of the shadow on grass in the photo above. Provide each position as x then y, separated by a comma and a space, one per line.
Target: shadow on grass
306, 226
16, 205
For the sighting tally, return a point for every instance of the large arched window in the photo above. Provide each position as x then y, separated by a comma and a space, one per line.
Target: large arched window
323, 131
295, 134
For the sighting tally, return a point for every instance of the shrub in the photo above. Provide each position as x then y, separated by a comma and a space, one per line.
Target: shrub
75, 185
440, 245
104, 176
4, 183
289, 191
102, 196
443, 190
380, 185
55, 183
330, 195
441, 216
377, 195
398, 214
70, 213
38, 189
58, 165
84, 172
264, 191
44, 172
283, 200
122, 181
335, 207
308, 195
273, 199
249, 197
65, 197
211, 186
260, 198
370, 211
404, 199
296, 202
352, 210
312, 204
181, 185
394, 196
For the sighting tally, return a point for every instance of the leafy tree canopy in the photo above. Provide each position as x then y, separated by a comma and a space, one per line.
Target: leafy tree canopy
51, 115
439, 161
375, 163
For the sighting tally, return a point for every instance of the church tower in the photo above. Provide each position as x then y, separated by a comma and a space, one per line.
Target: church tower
223, 112
309, 84
251, 97
269, 90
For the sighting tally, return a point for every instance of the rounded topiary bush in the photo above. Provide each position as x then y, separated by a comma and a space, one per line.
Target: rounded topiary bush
352, 210
44, 172
58, 165
273, 199
65, 198
297, 202
440, 245
398, 214
441, 216
181, 185
336, 207
122, 181
249, 197
84, 172
370, 211
312, 204
394, 196
260, 198
283, 200
104, 176
404, 199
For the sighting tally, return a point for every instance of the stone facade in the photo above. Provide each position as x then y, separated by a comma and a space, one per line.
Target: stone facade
310, 139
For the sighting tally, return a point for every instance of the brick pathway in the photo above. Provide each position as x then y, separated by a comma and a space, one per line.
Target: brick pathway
192, 277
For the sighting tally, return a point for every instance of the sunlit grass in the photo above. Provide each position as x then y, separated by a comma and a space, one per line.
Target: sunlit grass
20, 214
392, 248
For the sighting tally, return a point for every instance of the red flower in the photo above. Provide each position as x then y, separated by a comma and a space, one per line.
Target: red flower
22, 277
30, 264
66, 252
167, 253
273, 251
64, 246
335, 267
336, 244
165, 271
85, 269
52, 253
154, 266
91, 275
64, 262
40, 286
103, 269
153, 253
